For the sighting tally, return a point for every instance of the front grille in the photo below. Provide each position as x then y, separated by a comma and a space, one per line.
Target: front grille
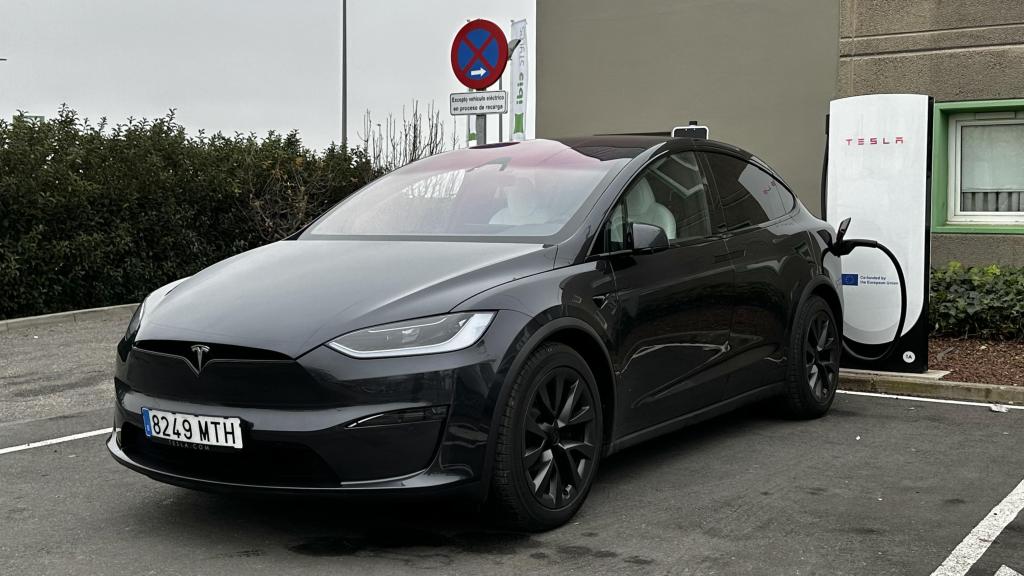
215, 352
258, 463
228, 375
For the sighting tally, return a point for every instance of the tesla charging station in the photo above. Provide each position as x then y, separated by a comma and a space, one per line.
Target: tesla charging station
878, 164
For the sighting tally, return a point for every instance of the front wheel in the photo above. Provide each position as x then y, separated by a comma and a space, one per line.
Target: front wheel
549, 441
814, 351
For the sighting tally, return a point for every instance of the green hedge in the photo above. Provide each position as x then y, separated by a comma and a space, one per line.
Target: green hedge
985, 302
94, 215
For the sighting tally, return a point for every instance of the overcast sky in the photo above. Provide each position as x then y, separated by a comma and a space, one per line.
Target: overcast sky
238, 65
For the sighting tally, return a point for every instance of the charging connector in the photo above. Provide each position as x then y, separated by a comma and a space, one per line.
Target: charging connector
841, 247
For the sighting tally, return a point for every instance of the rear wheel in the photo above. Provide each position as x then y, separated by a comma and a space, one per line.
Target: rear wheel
549, 441
815, 347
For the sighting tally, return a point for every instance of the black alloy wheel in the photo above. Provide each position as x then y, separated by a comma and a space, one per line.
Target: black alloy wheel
814, 352
559, 438
549, 441
821, 355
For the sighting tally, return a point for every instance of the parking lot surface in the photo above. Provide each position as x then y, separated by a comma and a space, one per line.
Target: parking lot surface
880, 486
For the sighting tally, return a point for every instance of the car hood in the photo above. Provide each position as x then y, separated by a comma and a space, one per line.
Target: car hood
292, 296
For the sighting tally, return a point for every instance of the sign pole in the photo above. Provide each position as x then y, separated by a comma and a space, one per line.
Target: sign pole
512, 79
344, 73
481, 129
501, 117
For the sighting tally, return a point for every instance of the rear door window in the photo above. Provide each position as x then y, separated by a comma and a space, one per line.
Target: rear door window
749, 195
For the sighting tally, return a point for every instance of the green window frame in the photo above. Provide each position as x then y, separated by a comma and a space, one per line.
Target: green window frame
943, 112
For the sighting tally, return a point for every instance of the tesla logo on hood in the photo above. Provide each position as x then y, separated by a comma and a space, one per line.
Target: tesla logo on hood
199, 350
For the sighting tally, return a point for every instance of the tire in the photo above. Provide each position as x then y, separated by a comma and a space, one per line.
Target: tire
550, 428
813, 372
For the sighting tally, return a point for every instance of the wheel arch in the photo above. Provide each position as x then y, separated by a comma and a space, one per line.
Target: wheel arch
597, 358
830, 296
582, 338
824, 289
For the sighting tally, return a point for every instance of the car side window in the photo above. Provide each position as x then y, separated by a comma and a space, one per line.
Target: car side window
614, 233
671, 193
749, 195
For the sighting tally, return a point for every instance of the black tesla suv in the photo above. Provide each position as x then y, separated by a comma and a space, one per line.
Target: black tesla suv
490, 321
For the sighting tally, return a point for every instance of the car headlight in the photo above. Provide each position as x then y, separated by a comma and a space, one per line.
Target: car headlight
135, 322
421, 336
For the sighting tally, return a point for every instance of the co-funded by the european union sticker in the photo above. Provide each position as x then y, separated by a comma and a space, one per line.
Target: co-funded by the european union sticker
868, 280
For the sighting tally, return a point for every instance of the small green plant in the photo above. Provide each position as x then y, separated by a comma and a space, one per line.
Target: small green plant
977, 302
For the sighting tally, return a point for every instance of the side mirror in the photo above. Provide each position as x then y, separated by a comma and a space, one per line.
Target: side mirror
647, 238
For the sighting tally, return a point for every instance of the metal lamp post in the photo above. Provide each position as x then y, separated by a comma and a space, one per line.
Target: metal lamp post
344, 73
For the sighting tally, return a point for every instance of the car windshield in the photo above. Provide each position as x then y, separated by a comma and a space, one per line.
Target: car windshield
525, 190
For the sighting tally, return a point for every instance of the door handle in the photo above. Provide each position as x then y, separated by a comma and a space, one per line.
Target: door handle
734, 255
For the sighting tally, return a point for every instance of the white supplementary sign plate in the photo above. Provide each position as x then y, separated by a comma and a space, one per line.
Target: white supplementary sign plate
203, 430
492, 102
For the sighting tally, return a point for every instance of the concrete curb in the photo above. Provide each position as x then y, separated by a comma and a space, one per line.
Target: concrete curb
120, 311
908, 385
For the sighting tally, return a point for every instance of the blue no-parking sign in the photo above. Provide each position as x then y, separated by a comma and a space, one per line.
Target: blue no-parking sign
479, 54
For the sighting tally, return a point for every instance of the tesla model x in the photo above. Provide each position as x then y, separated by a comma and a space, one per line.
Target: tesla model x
490, 322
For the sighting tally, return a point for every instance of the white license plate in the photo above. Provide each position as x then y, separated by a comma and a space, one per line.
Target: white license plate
205, 430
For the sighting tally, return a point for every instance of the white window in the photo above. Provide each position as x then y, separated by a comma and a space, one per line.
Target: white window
986, 169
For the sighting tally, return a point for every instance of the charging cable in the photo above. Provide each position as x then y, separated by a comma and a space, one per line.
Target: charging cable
841, 247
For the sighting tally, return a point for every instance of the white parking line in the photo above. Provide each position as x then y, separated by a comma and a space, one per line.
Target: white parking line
936, 400
977, 542
54, 441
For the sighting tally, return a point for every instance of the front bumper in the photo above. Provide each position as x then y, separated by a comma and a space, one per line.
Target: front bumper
434, 480
293, 445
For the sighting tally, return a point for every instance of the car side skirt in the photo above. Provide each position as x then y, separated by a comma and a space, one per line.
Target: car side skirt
698, 416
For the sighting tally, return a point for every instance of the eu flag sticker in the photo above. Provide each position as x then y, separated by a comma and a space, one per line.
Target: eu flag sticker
851, 279
145, 421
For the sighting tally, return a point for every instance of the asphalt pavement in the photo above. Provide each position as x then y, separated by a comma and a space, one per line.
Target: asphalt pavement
880, 486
